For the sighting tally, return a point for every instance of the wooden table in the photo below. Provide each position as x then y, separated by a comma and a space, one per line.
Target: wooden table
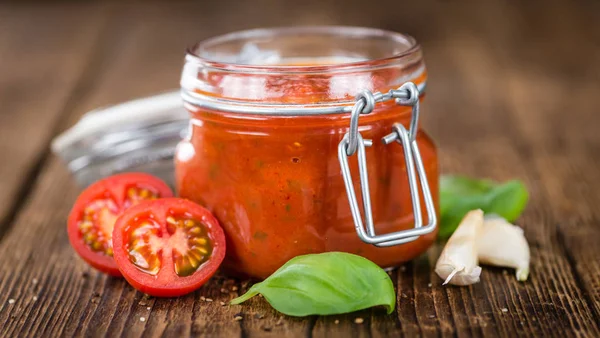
513, 93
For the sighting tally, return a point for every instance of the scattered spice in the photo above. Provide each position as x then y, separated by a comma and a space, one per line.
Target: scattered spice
148, 308
431, 316
11, 301
34, 298
505, 310
209, 299
279, 322
34, 281
234, 288
143, 303
202, 298
222, 303
359, 320
142, 319
337, 321
238, 318
429, 285
404, 295
223, 290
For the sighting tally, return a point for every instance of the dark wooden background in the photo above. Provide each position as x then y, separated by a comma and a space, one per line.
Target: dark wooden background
514, 92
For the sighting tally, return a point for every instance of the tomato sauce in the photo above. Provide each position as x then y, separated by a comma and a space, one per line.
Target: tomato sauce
274, 182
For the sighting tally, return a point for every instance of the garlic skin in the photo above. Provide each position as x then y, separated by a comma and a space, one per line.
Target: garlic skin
457, 264
501, 243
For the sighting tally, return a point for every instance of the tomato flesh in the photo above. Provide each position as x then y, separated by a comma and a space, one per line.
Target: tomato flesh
96, 223
96, 210
144, 247
168, 247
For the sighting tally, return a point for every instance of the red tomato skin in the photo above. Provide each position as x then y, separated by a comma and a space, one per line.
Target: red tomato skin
171, 285
112, 184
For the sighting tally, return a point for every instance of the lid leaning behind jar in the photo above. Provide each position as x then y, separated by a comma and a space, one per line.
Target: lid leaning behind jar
352, 68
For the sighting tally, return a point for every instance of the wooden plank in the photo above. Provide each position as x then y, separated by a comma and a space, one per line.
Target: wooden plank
564, 133
40, 68
472, 82
140, 52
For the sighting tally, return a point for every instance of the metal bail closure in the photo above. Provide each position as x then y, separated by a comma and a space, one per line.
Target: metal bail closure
407, 95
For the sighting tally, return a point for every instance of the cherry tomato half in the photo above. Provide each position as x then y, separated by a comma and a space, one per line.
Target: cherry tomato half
168, 247
93, 216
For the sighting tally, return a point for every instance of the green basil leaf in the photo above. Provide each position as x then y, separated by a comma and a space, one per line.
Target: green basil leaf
325, 284
459, 195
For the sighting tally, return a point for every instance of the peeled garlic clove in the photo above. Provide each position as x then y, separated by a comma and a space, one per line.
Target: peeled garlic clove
457, 264
503, 244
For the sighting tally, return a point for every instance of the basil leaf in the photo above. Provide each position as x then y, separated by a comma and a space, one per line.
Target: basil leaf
325, 284
459, 195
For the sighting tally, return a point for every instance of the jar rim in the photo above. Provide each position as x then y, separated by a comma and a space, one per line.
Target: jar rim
198, 52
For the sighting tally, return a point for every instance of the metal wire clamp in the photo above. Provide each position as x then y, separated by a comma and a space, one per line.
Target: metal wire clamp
406, 95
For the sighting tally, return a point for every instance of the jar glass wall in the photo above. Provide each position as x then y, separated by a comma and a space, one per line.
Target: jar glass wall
273, 179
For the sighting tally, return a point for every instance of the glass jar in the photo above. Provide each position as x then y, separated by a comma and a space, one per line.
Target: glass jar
271, 111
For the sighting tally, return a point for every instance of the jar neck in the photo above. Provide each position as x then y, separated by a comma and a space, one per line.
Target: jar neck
280, 76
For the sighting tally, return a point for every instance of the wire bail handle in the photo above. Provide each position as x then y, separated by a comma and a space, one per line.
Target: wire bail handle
405, 95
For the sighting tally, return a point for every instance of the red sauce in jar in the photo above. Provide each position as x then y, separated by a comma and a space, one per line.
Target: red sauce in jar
274, 182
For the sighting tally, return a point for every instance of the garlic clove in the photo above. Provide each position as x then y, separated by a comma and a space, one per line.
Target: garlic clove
457, 264
501, 243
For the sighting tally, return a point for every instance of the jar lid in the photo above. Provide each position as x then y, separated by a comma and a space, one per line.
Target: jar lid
139, 135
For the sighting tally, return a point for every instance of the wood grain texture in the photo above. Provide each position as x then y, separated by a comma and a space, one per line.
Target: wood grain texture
513, 93
41, 67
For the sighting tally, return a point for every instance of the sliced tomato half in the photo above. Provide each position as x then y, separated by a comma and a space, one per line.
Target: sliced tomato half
92, 218
168, 247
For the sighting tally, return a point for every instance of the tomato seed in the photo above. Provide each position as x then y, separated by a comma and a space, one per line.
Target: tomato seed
195, 231
137, 194
191, 254
96, 225
142, 252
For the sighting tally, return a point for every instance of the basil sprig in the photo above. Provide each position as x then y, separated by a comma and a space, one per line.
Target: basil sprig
325, 284
459, 195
